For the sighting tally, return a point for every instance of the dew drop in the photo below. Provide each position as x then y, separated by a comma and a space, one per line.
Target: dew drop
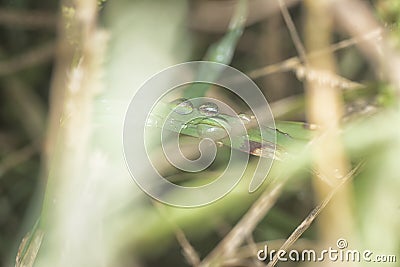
212, 132
182, 106
209, 109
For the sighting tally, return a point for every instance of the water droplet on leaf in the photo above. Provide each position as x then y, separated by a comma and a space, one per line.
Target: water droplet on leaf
182, 106
209, 109
212, 132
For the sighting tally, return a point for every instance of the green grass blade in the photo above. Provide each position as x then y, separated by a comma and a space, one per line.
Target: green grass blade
221, 51
288, 134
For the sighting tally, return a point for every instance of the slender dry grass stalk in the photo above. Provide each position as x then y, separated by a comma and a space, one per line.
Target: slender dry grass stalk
31, 109
293, 62
188, 250
306, 223
31, 115
27, 19
325, 78
27, 59
17, 157
244, 228
69, 192
293, 32
248, 251
382, 55
325, 110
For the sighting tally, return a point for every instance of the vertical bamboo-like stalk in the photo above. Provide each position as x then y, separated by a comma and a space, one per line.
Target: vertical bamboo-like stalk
71, 95
325, 109
76, 80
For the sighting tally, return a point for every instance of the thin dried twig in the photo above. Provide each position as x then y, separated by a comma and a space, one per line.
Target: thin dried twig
214, 16
293, 62
253, 247
306, 223
293, 32
305, 73
28, 59
188, 250
29, 107
227, 247
27, 19
381, 54
17, 157
248, 251
29, 247
325, 78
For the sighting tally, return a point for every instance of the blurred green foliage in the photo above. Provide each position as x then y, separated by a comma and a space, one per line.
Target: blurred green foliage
18, 185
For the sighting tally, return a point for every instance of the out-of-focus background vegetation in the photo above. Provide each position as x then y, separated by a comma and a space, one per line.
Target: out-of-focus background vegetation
27, 45
68, 70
